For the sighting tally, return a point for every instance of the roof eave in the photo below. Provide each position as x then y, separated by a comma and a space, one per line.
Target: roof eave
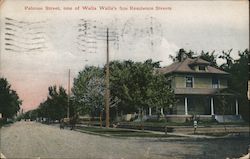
184, 72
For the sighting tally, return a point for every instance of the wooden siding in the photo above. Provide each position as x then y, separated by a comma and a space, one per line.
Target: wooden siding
179, 81
201, 82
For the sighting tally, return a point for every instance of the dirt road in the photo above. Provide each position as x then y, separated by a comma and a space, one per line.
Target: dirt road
31, 139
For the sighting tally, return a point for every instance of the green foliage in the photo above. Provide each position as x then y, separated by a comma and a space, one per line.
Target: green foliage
229, 60
133, 85
239, 71
210, 57
88, 90
182, 54
159, 93
137, 85
239, 76
9, 99
55, 107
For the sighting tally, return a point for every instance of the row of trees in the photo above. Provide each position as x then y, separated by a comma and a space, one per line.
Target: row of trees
9, 100
135, 86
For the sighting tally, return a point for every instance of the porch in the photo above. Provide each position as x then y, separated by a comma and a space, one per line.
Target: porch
204, 107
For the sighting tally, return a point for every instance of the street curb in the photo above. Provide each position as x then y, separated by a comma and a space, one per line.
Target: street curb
194, 136
162, 133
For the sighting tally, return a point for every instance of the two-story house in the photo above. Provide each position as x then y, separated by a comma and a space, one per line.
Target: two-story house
198, 88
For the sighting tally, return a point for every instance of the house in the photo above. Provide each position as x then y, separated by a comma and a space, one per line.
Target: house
200, 89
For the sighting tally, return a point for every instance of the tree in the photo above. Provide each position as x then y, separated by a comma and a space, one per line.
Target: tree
31, 114
9, 100
238, 81
138, 86
88, 90
129, 81
182, 54
55, 106
94, 98
229, 60
238, 70
160, 94
210, 57
133, 87
58, 102
120, 82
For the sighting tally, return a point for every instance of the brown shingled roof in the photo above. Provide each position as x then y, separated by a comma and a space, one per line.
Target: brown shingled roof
198, 60
184, 67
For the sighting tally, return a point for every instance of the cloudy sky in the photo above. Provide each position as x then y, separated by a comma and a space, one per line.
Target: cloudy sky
39, 45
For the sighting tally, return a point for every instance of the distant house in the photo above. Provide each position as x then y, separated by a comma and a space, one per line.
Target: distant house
198, 88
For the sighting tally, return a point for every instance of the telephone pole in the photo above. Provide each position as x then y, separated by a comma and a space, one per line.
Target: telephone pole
102, 33
68, 94
107, 83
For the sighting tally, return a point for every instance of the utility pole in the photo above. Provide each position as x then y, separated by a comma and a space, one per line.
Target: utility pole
104, 34
68, 94
107, 83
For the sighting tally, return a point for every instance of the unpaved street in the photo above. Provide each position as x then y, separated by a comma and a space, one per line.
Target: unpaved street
31, 139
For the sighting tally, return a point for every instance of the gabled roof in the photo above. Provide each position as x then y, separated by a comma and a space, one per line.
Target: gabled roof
185, 67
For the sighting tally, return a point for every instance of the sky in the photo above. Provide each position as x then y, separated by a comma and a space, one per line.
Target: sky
39, 45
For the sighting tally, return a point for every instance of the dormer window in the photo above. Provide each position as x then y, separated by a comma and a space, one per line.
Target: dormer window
202, 68
198, 65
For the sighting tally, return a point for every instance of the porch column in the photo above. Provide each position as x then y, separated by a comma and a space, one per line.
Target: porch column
236, 107
162, 113
186, 106
150, 111
212, 105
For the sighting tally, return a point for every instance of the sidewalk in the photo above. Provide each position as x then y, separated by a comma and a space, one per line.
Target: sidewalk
149, 131
184, 135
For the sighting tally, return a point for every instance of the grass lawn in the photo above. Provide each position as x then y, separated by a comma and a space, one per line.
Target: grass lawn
221, 134
164, 123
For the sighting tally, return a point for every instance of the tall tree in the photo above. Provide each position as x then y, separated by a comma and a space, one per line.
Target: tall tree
55, 106
88, 90
181, 55
238, 82
160, 94
57, 101
210, 57
138, 86
226, 55
9, 99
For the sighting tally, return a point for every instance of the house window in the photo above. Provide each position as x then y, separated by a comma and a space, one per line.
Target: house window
202, 68
189, 81
215, 82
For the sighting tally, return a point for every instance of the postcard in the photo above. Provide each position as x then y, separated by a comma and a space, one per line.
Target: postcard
124, 79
